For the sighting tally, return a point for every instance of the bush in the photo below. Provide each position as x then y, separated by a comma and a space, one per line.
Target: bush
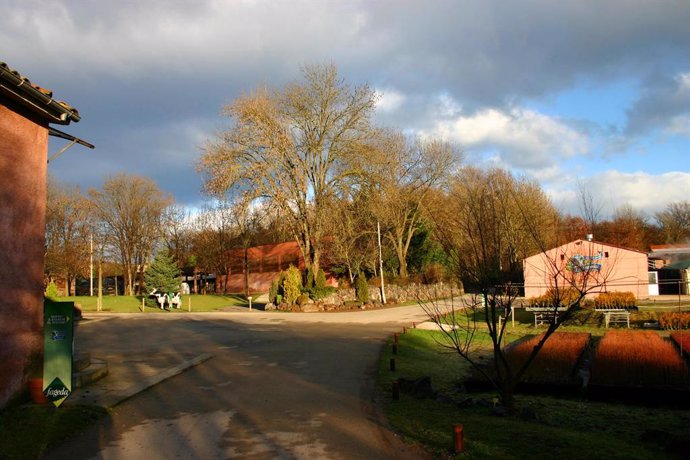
615, 300
292, 285
52, 291
674, 321
302, 300
362, 288
318, 289
273, 292
564, 297
433, 273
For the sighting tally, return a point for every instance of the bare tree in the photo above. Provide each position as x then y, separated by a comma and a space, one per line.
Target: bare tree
292, 148
130, 210
404, 172
675, 222
492, 218
68, 229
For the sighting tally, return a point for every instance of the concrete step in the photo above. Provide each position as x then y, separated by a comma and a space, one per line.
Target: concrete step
94, 371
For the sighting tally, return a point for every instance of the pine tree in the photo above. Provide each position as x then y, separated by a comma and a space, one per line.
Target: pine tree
163, 274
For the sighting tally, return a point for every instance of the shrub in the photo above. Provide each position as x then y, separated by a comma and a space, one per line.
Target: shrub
362, 288
564, 298
638, 358
52, 291
273, 292
302, 300
674, 320
310, 279
292, 284
433, 273
556, 361
683, 341
615, 300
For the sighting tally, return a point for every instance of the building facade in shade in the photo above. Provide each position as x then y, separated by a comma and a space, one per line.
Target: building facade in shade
596, 266
26, 112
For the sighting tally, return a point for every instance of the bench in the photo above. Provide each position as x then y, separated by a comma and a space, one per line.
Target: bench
545, 317
617, 316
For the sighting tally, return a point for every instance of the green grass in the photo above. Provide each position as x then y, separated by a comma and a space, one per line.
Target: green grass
563, 428
132, 304
28, 431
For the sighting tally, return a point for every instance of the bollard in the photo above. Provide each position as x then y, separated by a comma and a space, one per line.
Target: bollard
395, 349
395, 388
395, 338
392, 364
458, 444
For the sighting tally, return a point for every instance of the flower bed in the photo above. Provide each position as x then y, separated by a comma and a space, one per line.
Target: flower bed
556, 361
683, 340
640, 359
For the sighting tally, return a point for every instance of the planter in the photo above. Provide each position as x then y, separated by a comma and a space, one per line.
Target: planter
36, 391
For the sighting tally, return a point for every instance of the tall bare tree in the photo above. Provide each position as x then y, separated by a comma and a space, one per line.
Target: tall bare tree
292, 148
404, 171
68, 229
675, 222
130, 210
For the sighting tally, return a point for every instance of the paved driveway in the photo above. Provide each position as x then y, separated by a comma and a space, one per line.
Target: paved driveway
278, 386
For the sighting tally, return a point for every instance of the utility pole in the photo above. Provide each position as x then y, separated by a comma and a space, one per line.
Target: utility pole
383, 291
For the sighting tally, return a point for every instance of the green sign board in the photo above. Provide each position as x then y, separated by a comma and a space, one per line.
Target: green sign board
58, 343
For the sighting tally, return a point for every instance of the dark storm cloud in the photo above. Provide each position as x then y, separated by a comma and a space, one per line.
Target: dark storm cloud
151, 77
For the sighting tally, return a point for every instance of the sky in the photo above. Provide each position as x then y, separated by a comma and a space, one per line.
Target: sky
573, 94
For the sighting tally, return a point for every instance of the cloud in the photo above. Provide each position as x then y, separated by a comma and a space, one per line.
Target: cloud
521, 138
611, 189
663, 105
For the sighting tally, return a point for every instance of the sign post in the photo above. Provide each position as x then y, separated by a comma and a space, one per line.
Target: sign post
58, 343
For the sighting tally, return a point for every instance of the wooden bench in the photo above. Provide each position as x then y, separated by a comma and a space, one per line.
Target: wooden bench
617, 317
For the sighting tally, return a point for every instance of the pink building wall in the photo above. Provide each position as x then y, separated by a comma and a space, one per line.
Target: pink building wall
610, 267
23, 162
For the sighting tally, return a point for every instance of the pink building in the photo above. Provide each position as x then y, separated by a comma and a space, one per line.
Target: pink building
26, 111
599, 267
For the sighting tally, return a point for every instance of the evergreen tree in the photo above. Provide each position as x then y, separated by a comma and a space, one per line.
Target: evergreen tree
163, 274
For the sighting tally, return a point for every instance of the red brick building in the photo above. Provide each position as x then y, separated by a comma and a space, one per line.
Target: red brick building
26, 111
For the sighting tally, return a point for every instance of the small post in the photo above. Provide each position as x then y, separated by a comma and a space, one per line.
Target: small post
414, 325
458, 444
395, 349
142, 305
395, 338
404, 330
250, 302
395, 388
392, 364
189, 303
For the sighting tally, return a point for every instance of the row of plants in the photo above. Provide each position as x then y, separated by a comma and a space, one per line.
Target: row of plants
564, 298
557, 360
639, 358
682, 340
621, 358
674, 320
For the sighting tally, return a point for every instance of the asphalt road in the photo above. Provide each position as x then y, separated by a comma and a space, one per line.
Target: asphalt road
289, 386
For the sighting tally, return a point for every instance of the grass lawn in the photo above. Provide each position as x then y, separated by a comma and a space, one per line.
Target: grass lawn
132, 304
29, 430
547, 427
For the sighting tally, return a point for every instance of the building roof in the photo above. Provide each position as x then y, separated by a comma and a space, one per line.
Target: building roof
38, 100
670, 248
